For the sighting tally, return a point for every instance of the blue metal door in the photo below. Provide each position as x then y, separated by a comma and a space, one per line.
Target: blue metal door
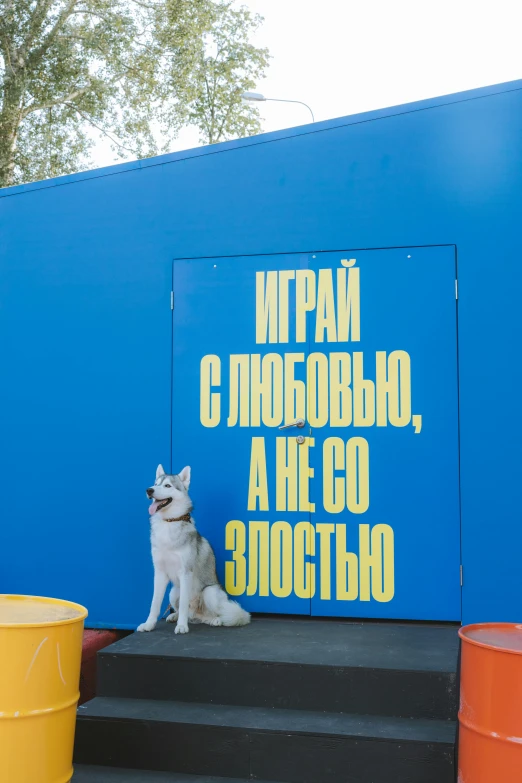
385, 455
355, 512
234, 342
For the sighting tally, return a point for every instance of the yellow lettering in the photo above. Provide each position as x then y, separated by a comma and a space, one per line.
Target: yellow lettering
235, 569
346, 568
284, 278
266, 307
281, 559
210, 403
325, 531
258, 545
357, 475
258, 483
239, 390
340, 392
317, 378
325, 312
272, 369
333, 487
393, 386
305, 474
256, 390
304, 572
295, 391
286, 474
267, 390
348, 305
363, 394
304, 300
380, 560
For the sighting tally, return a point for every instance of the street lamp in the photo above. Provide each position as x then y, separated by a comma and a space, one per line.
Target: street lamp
257, 96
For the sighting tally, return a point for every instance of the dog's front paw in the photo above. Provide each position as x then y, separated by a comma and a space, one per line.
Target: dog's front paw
216, 621
172, 617
147, 626
181, 628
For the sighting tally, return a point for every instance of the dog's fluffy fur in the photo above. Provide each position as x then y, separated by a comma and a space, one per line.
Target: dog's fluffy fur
184, 558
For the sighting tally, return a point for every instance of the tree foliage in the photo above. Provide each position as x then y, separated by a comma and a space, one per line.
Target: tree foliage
133, 70
228, 66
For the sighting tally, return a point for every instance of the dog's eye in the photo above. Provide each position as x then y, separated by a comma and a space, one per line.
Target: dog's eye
168, 485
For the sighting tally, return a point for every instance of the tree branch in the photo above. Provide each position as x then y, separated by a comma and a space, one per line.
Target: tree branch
97, 14
212, 105
7, 52
51, 104
8, 46
225, 118
37, 20
39, 52
149, 6
89, 119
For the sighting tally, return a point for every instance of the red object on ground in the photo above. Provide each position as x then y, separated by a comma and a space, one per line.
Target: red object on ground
92, 642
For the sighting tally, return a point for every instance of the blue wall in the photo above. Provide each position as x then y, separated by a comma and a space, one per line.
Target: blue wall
85, 278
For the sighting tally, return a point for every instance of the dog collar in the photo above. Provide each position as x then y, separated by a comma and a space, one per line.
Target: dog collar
184, 518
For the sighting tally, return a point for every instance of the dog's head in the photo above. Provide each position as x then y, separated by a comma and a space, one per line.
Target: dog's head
169, 492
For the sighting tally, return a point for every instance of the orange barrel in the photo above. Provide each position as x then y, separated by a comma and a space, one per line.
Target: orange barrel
40, 657
490, 715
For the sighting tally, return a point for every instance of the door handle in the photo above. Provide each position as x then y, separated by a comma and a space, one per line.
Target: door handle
296, 423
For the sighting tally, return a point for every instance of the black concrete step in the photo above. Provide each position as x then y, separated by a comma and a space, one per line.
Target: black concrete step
95, 774
394, 669
264, 743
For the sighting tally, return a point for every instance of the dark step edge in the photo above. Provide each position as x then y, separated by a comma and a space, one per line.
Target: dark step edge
282, 732
106, 653
365, 690
236, 725
262, 755
93, 771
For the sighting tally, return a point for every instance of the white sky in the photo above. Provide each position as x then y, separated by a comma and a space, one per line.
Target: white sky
346, 56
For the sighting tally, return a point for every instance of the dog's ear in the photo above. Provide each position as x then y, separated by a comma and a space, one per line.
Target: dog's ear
185, 477
159, 472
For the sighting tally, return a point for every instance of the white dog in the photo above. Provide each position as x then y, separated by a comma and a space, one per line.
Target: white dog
184, 558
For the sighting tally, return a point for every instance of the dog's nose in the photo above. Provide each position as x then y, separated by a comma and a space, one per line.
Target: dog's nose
150, 492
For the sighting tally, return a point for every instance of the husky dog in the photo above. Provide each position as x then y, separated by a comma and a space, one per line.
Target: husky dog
184, 558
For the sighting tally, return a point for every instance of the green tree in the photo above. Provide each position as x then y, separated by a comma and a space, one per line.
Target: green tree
227, 66
132, 70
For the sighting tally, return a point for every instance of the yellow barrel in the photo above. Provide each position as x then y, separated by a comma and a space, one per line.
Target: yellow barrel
40, 658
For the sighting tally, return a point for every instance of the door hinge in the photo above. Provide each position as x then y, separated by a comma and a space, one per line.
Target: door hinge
461, 576
456, 289
172, 300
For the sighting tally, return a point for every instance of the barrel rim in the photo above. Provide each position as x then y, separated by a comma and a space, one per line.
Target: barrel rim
82, 611
476, 643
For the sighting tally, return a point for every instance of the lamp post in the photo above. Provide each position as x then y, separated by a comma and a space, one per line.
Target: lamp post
257, 96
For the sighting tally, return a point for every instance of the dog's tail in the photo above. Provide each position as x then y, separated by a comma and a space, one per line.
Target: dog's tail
234, 614
220, 605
